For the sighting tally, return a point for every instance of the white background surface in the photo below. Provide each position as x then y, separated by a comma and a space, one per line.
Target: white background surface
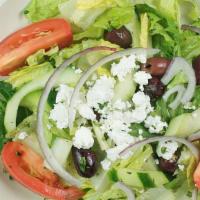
11, 18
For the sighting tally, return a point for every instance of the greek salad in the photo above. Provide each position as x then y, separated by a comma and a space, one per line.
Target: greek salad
100, 100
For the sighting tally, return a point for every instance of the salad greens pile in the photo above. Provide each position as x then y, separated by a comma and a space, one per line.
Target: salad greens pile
151, 24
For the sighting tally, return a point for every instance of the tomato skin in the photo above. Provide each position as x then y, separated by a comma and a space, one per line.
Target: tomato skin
26, 167
41, 35
196, 176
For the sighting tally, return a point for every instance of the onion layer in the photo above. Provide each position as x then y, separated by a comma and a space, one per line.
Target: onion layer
177, 65
194, 137
40, 129
195, 194
92, 69
180, 89
190, 146
129, 193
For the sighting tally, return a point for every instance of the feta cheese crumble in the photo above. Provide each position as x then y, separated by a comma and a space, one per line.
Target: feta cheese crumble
142, 78
125, 66
155, 124
106, 164
166, 149
86, 112
59, 114
101, 92
22, 135
120, 105
64, 94
83, 138
78, 71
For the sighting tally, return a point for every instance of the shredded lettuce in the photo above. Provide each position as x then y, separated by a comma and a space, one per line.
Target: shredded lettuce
38, 10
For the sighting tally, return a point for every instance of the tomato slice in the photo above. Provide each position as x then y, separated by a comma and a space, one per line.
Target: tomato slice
196, 176
26, 167
41, 35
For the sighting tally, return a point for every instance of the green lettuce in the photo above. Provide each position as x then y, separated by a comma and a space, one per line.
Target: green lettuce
6, 92
38, 10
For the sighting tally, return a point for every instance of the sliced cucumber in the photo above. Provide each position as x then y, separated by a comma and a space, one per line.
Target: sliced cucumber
142, 179
125, 89
61, 149
100, 137
184, 125
68, 77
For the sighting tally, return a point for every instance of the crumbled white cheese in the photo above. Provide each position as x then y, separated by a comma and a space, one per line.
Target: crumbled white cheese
166, 149
83, 138
78, 71
22, 135
141, 100
155, 124
120, 105
59, 114
189, 106
142, 78
86, 112
181, 167
106, 164
101, 92
116, 128
125, 66
64, 94
142, 58
140, 131
113, 153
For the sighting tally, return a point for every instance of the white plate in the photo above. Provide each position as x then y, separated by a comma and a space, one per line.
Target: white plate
11, 18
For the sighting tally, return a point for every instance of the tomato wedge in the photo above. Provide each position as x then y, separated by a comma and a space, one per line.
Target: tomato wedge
26, 167
196, 176
41, 35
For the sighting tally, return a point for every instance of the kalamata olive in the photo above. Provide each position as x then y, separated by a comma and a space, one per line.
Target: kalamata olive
156, 66
196, 66
85, 162
121, 37
155, 88
168, 166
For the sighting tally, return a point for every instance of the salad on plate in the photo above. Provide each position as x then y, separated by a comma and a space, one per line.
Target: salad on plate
100, 100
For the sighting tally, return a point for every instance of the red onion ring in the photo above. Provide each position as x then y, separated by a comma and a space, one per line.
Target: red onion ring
40, 129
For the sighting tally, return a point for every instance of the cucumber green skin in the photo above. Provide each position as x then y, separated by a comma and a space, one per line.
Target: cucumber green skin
184, 125
125, 89
130, 177
68, 77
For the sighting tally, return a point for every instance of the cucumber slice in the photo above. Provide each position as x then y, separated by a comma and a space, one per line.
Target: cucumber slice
61, 149
184, 125
68, 77
100, 137
142, 179
125, 89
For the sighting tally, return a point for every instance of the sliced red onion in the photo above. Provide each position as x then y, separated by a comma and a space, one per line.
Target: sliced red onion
194, 137
129, 193
93, 68
177, 65
40, 129
180, 89
137, 145
190, 28
195, 194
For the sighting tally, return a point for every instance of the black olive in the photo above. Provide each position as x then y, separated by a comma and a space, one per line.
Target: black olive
85, 162
168, 166
121, 37
155, 88
196, 66
156, 66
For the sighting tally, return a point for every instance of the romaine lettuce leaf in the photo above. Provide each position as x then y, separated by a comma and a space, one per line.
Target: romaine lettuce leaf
38, 10
6, 92
114, 18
